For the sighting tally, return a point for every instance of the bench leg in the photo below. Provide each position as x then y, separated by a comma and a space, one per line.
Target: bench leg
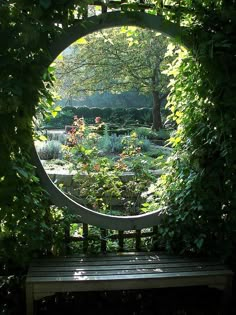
226, 298
29, 299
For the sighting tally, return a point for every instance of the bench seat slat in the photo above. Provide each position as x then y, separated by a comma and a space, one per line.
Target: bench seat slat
114, 258
42, 269
105, 262
113, 277
139, 270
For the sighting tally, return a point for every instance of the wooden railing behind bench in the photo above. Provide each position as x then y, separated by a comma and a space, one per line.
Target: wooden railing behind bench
103, 236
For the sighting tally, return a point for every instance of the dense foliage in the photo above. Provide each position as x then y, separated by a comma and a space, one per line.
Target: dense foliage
26, 30
198, 191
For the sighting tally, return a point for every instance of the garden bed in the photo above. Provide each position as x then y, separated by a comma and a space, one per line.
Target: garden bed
106, 172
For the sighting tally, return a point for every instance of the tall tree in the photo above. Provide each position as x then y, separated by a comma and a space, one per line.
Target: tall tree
116, 60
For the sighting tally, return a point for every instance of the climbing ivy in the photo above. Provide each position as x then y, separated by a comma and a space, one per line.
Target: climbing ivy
26, 30
198, 192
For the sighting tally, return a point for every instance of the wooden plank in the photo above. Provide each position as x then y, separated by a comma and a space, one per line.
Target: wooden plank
196, 273
100, 262
122, 266
116, 267
130, 284
123, 270
121, 274
121, 256
118, 256
150, 272
206, 275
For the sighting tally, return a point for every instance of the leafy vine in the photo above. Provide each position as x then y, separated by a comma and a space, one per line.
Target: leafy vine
198, 191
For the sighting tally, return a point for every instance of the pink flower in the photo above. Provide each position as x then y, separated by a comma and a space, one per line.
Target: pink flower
98, 120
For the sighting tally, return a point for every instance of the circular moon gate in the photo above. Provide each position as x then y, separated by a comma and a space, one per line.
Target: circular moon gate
83, 28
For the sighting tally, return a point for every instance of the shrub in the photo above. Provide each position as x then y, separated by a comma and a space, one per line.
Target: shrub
104, 143
143, 131
106, 113
50, 150
112, 144
96, 112
118, 115
144, 115
84, 111
116, 142
145, 144
162, 134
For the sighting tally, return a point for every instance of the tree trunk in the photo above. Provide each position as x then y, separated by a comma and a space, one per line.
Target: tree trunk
156, 111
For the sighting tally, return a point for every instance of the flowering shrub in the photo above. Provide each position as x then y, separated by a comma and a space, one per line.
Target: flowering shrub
105, 184
77, 131
98, 120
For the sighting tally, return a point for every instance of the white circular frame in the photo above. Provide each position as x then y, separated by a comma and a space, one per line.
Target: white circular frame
83, 28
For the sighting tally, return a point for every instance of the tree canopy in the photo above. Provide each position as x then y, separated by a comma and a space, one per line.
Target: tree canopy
116, 60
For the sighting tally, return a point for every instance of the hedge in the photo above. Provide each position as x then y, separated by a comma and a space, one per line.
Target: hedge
116, 115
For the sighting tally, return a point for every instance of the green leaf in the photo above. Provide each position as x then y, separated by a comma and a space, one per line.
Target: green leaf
60, 57
42, 138
123, 29
22, 172
143, 209
51, 69
82, 41
54, 114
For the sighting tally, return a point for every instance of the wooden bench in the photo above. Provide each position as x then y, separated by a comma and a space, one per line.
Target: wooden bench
124, 271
